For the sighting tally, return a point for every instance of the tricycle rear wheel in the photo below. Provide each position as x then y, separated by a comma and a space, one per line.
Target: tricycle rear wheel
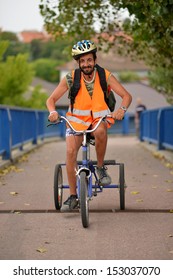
58, 186
122, 186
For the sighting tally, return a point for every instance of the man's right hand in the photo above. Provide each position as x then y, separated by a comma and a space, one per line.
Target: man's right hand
53, 116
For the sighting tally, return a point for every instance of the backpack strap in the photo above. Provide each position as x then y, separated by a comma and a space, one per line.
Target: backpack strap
103, 82
108, 94
102, 77
75, 87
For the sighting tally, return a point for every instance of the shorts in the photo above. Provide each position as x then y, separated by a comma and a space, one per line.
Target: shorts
71, 132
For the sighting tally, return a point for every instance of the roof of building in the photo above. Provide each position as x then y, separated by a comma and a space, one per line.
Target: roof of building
29, 36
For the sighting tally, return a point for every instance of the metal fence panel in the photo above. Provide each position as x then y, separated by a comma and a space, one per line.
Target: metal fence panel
157, 127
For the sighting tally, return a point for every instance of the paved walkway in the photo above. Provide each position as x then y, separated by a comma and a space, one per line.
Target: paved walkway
32, 229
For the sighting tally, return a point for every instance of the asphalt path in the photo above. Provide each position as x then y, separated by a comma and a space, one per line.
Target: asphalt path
31, 228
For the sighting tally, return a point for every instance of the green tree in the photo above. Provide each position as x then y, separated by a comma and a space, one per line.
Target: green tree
36, 49
8, 36
46, 69
162, 79
151, 27
14, 46
37, 99
3, 47
56, 49
16, 75
15, 79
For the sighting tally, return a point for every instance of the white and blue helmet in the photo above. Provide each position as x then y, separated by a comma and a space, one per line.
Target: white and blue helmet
83, 47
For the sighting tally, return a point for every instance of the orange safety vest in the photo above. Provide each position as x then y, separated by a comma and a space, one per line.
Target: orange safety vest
88, 109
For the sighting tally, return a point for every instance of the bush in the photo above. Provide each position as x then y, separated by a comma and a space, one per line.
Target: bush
128, 77
37, 99
46, 69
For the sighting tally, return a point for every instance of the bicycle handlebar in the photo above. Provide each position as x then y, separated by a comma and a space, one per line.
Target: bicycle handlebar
62, 118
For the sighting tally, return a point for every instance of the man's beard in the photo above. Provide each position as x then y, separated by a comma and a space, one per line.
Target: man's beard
87, 70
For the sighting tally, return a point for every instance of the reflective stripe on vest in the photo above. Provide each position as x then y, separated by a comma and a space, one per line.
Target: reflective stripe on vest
80, 112
101, 114
79, 121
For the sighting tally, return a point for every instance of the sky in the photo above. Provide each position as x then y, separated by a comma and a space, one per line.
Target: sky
19, 15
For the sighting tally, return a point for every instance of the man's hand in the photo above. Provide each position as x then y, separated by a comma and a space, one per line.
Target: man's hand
118, 114
53, 116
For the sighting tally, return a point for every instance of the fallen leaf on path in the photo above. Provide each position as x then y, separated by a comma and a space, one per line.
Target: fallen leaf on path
24, 158
4, 171
45, 167
169, 165
158, 155
15, 168
155, 175
27, 204
14, 193
135, 192
171, 210
169, 190
19, 170
139, 200
169, 181
17, 212
41, 250
9, 169
170, 235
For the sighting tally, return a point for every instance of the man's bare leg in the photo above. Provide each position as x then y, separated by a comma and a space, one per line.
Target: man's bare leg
73, 143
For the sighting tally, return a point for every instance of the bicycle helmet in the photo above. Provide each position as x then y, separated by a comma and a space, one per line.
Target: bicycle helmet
83, 47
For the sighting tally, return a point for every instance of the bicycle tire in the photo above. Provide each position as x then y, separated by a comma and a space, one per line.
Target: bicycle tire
122, 186
84, 202
58, 186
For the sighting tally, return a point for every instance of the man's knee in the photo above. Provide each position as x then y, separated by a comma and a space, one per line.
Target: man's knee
101, 133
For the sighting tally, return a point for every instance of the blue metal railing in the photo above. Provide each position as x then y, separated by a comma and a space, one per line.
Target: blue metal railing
125, 127
19, 126
156, 126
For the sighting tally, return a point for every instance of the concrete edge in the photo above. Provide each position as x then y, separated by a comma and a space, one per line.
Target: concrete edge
160, 154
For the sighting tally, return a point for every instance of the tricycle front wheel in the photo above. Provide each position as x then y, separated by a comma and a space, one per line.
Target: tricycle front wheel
84, 201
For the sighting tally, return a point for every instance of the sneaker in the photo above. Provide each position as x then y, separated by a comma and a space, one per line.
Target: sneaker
70, 204
104, 178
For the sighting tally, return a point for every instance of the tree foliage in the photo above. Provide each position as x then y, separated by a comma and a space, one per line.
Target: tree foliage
150, 27
53, 49
19, 62
37, 99
16, 76
46, 69
14, 46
